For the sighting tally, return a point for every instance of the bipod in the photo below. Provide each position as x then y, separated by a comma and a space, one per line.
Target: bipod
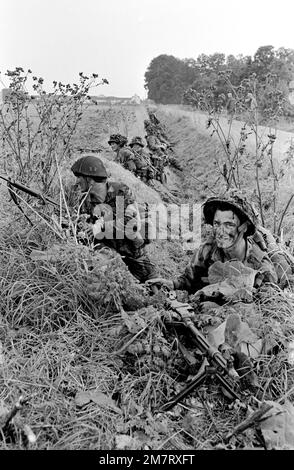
218, 367
199, 379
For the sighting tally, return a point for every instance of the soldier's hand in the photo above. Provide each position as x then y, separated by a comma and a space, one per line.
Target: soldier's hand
97, 227
88, 230
160, 282
86, 233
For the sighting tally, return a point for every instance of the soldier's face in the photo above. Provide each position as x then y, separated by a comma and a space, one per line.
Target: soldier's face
114, 146
225, 226
136, 147
97, 190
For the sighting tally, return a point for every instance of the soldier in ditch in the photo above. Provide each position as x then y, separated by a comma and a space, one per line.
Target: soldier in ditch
113, 215
157, 150
124, 155
234, 223
144, 169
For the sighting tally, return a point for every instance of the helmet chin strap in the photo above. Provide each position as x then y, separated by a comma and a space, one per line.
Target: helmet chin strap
241, 231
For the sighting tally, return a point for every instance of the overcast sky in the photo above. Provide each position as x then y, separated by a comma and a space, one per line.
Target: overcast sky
117, 39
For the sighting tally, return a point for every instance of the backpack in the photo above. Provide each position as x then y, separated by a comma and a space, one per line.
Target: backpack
281, 259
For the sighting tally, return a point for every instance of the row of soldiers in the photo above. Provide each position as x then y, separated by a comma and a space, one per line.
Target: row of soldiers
237, 233
236, 236
147, 163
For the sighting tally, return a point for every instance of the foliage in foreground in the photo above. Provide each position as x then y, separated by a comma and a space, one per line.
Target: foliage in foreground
87, 345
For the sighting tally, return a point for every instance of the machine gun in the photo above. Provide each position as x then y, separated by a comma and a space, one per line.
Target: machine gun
218, 367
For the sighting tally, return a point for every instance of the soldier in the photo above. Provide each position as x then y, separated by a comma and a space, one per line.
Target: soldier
154, 141
234, 224
142, 160
157, 149
124, 156
114, 218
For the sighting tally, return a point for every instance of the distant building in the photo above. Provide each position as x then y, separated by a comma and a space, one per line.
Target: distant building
114, 100
135, 100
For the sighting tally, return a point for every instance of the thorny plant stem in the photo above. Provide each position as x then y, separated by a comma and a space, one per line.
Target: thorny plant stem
275, 183
64, 200
284, 213
257, 170
222, 140
35, 212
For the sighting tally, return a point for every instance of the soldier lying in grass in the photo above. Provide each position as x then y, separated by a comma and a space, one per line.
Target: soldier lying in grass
234, 223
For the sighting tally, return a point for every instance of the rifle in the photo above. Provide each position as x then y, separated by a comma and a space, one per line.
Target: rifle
27, 190
218, 366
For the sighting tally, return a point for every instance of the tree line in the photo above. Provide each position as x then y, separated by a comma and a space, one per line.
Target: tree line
170, 80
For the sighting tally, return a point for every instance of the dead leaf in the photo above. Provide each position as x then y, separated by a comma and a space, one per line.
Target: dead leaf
133, 322
234, 271
278, 428
82, 399
123, 442
231, 279
103, 400
233, 329
85, 397
243, 338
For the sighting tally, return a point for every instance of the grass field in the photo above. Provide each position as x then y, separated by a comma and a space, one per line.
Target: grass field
85, 343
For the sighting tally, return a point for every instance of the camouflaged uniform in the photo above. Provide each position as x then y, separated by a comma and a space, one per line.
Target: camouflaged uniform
158, 157
143, 165
133, 251
195, 275
208, 253
126, 158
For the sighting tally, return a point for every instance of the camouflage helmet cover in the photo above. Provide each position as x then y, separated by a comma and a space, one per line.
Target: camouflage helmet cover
117, 139
236, 201
91, 166
148, 125
137, 141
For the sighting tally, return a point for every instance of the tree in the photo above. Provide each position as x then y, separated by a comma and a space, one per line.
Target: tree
167, 77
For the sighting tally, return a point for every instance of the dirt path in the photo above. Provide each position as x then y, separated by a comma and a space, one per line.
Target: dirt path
199, 120
282, 144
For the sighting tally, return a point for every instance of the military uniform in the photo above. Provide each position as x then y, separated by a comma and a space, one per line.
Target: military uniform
142, 160
158, 157
126, 158
208, 253
143, 165
132, 250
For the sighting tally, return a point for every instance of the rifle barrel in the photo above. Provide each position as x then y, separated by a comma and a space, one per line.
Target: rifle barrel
29, 191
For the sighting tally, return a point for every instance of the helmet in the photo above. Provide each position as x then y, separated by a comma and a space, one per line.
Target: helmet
236, 201
136, 140
123, 140
117, 139
148, 124
89, 166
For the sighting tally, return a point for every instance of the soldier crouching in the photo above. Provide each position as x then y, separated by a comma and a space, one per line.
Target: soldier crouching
113, 216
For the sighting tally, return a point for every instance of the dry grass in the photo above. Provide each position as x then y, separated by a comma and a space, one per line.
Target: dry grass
58, 340
77, 324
